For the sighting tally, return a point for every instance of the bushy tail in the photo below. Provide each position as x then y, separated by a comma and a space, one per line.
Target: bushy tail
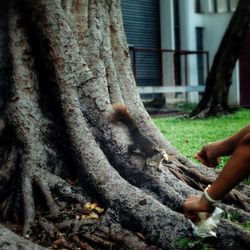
121, 114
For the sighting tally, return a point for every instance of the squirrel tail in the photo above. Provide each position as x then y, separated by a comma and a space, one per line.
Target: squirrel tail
121, 114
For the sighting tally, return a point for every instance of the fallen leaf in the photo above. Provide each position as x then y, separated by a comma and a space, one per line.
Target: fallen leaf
99, 210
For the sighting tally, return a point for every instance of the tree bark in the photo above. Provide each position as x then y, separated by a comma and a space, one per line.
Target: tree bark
59, 151
215, 97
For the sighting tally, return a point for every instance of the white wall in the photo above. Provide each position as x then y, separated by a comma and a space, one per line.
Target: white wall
167, 40
213, 24
188, 42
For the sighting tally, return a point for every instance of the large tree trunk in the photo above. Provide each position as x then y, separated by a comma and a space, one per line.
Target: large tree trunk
215, 98
69, 64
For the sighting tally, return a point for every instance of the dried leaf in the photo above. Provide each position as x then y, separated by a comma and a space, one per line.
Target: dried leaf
93, 206
90, 216
84, 216
99, 210
87, 205
93, 216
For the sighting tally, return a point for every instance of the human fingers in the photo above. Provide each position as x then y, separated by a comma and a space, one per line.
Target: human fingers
214, 161
209, 162
190, 205
194, 217
191, 197
201, 159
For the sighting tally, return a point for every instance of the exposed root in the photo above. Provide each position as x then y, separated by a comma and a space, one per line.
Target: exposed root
7, 169
243, 188
83, 225
28, 205
62, 243
183, 165
10, 240
98, 240
49, 228
198, 181
57, 204
187, 179
193, 173
53, 208
49, 185
238, 199
67, 192
231, 236
70, 233
80, 243
124, 238
234, 214
2, 126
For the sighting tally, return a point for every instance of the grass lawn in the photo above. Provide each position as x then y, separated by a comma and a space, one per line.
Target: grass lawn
188, 136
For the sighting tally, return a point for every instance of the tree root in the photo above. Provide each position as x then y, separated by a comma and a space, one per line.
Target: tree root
231, 236
195, 179
124, 238
72, 227
80, 243
81, 225
10, 240
53, 207
238, 199
193, 173
66, 234
7, 170
45, 195
179, 174
98, 241
49, 228
2, 126
234, 214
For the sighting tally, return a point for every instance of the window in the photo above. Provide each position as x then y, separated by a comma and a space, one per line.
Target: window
215, 6
233, 4
198, 8
200, 58
221, 6
178, 78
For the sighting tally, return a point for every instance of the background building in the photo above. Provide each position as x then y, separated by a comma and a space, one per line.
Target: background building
173, 43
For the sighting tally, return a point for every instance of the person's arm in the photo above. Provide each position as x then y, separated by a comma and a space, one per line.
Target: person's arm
210, 153
236, 169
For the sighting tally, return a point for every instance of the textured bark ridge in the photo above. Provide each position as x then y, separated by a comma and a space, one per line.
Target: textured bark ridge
215, 98
67, 177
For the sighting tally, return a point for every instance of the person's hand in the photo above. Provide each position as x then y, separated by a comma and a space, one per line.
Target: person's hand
196, 204
208, 155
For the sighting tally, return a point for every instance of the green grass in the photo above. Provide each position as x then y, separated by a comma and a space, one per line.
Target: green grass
232, 216
235, 217
246, 225
188, 136
188, 244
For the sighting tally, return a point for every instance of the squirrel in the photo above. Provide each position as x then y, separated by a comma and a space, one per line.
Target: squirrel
142, 144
